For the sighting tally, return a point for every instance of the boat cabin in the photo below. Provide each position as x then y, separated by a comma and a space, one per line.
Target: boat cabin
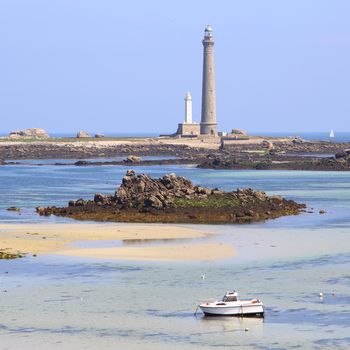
229, 297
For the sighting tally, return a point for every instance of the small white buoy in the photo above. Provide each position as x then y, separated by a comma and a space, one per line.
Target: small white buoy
203, 277
320, 294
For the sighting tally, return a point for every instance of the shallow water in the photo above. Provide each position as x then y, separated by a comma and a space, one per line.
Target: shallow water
103, 303
53, 303
72, 161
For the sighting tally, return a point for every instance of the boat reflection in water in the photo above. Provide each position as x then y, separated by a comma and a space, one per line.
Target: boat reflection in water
229, 324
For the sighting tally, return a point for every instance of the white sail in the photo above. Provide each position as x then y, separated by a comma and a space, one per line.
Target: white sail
331, 134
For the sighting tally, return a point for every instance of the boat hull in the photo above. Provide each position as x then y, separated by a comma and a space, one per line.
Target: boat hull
255, 310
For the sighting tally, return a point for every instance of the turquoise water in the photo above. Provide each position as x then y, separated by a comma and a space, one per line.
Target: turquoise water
53, 303
30, 186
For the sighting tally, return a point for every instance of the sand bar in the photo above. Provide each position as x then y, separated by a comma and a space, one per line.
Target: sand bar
204, 251
59, 239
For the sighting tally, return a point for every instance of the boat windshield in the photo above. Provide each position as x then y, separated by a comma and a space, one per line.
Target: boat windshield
228, 298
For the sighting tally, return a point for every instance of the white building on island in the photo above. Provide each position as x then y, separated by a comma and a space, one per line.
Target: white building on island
188, 109
188, 128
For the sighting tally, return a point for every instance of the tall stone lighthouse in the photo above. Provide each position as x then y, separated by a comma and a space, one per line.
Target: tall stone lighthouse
208, 120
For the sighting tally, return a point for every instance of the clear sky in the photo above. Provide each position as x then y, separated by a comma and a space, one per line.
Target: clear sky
125, 66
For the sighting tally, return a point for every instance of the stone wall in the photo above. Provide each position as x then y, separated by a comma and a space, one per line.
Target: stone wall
186, 129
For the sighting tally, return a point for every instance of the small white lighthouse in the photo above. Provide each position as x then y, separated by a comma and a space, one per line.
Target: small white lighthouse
188, 128
188, 109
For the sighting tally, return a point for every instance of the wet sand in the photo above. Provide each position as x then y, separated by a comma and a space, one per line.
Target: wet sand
196, 251
60, 239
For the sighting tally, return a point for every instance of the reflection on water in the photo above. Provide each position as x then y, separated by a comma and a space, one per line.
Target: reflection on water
128, 242
314, 155
153, 241
232, 324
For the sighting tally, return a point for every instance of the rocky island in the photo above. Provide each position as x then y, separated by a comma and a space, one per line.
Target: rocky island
274, 161
174, 199
254, 153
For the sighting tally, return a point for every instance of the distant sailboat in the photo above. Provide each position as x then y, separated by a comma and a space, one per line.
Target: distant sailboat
331, 134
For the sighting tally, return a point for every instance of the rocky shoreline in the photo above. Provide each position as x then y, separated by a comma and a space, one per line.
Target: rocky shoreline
86, 150
224, 160
293, 146
339, 162
265, 155
174, 199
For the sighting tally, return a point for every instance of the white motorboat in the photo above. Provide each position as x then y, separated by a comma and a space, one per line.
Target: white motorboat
230, 305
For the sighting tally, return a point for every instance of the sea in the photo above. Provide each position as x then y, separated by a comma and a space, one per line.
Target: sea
52, 302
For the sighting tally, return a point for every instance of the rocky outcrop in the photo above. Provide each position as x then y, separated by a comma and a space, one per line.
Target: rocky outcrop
13, 209
29, 133
6, 255
292, 146
133, 159
82, 134
144, 191
223, 162
239, 132
275, 161
267, 144
342, 154
173, 198
298, 145
99, 136
340, 161
297, 140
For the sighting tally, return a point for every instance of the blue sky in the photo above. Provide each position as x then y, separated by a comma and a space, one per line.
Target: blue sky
125, 66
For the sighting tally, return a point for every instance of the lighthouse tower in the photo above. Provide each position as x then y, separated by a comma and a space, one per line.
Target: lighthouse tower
208, 120
188, 109
188, 128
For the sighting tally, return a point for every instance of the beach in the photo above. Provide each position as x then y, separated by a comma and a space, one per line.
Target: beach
60, 238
